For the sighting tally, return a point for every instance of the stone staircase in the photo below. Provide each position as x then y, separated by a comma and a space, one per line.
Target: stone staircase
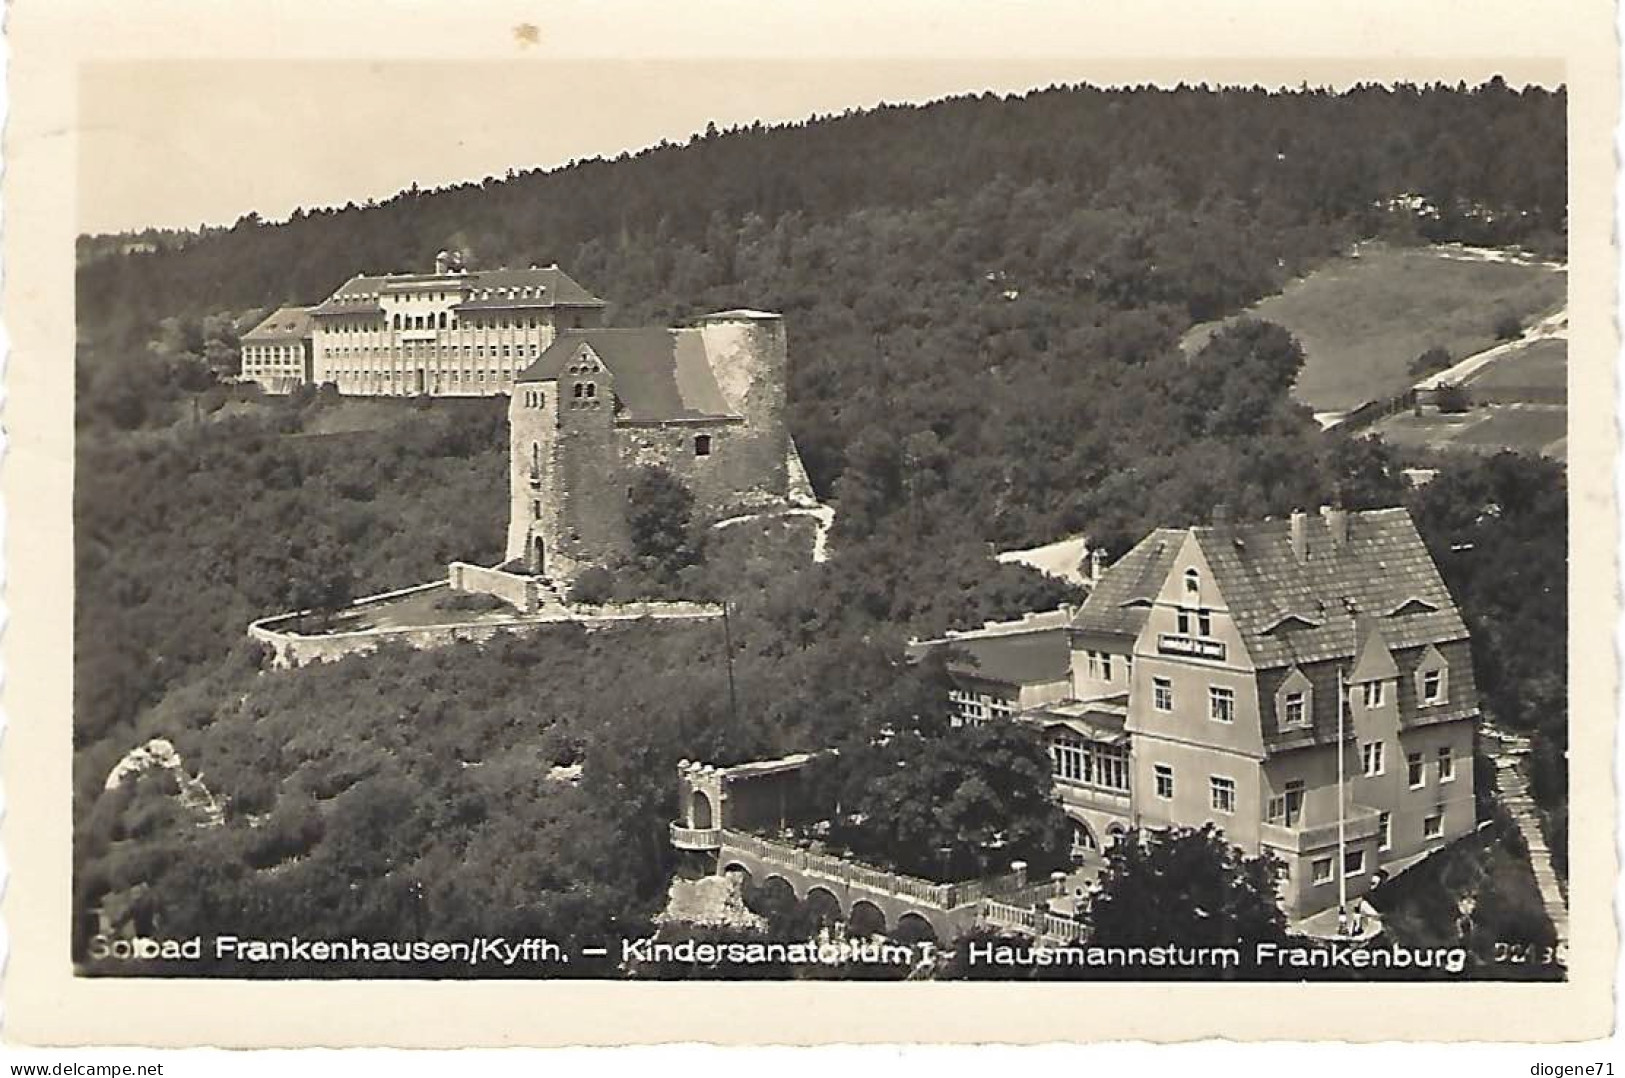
1512, 788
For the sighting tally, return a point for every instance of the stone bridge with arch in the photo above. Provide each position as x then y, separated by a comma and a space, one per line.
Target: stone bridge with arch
725, 812
869, 897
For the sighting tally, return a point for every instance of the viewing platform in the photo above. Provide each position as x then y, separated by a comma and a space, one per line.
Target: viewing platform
696, 838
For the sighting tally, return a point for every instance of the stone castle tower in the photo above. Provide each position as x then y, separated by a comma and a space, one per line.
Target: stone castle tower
706, 402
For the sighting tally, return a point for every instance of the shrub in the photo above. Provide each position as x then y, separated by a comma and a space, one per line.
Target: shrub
1453, 399
593, 585
1431, 362
1508, 326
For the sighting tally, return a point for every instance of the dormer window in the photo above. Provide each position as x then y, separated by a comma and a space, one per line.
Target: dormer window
1432, 686
1373, 695
1294, 701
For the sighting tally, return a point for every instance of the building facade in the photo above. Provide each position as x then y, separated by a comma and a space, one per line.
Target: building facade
1208, 668
277, 354
447, 333
705, 402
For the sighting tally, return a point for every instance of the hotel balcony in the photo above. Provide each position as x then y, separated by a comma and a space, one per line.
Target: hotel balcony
1089, 796
696, 838
1362, 823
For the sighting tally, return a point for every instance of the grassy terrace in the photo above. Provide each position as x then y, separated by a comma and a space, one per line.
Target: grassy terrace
1540, 365
432, 607
1528, 428
1362, 319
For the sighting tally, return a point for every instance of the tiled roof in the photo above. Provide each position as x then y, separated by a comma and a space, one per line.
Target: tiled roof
286, 324
1120, 599
549, 287
660, 374
1290, 611
501, 289
1034, 658
358, 295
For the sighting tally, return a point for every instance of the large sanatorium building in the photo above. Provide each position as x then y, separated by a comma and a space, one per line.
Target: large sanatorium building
449, 333
1201, 681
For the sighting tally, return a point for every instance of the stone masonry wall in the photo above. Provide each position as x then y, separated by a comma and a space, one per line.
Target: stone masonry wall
736, 473
533, 470
292, 649
592, 483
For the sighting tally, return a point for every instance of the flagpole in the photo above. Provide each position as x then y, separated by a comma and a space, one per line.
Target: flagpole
1342, 816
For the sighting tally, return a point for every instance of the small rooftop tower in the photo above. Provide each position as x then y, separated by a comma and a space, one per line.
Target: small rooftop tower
442, 262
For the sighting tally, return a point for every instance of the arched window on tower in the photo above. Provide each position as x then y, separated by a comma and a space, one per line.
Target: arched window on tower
702, 445
592, 390
1193, 582
580, 388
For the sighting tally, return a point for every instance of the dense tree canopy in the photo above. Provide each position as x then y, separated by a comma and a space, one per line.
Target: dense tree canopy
1185, 886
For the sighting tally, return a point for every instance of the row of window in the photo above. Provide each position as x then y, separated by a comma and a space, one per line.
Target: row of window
1221, 701
1090, 763
1320, 869
1098, 664
441, 320
1294, 705
1431, 690
1199, 620
443, 351
1221, 789
1372, 763
469, 377
972, 709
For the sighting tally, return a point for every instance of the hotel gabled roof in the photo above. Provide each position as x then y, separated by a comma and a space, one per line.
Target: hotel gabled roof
1118, 602
1289, 610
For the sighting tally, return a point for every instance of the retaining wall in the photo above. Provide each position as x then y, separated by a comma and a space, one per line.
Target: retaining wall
291, 649
523, 593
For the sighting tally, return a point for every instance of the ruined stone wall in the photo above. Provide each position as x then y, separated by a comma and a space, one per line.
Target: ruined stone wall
524, 593
733, 476
292, 649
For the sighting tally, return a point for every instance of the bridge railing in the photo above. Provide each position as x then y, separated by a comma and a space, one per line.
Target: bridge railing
695, 838
944, 896
1031, 920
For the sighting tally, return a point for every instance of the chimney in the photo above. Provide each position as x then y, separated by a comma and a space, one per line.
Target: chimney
1337, 524
442, 262
1097, 565
1221, 515
1300, 536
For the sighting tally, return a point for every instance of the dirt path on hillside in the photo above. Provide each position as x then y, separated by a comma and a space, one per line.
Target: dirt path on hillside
823, 519
1554, 326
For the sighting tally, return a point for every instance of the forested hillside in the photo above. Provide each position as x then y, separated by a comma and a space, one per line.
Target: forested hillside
984, 299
